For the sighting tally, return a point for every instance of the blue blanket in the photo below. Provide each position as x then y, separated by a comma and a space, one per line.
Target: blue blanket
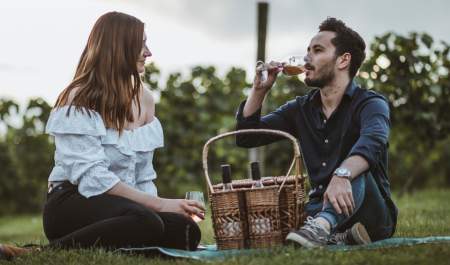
210, 252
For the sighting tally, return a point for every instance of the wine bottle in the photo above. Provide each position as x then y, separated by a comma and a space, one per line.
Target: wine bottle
230, 228
261, 224
226, 177
256, 175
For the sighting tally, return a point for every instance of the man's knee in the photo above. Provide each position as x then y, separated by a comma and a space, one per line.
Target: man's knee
374, 213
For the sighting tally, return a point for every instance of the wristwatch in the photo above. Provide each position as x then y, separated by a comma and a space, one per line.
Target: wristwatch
343, 172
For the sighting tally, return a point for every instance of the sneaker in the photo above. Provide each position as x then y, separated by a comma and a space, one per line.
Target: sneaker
356, 235
310, 235
9, 252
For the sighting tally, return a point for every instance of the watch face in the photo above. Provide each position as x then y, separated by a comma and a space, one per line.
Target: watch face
342, 171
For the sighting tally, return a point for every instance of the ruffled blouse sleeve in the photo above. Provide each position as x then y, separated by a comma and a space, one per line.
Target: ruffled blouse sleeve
145, 140
79, 151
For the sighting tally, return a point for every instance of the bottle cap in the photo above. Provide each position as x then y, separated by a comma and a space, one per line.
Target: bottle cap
256, 174
226, 173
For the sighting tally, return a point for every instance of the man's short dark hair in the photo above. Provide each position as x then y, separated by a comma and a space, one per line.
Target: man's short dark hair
346, 40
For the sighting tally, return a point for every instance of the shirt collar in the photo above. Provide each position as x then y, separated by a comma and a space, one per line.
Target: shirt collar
349, 92
351, 88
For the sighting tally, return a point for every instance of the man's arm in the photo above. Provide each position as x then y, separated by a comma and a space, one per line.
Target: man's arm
356, 164
249, 113
365, 154
282, 119
260, 87
254, 102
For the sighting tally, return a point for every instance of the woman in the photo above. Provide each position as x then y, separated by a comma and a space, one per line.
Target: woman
101, 190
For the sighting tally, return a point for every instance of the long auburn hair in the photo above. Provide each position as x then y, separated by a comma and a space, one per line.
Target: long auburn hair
106, 78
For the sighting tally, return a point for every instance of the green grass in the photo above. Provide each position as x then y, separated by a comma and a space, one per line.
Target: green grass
424, 213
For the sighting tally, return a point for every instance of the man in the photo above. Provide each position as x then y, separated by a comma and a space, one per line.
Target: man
343, 131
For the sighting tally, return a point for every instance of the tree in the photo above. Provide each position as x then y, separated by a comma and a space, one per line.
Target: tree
205, 107
192, 110
412, 72
26, 156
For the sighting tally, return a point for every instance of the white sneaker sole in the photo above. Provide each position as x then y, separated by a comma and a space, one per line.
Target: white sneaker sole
294, 237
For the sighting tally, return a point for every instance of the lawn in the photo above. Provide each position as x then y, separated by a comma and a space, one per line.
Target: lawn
424, 213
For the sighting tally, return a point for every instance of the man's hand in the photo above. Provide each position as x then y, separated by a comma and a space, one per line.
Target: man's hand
339, 194
260, 87
272, 68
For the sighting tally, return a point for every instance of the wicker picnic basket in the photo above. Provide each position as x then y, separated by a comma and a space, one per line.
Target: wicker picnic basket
256, 218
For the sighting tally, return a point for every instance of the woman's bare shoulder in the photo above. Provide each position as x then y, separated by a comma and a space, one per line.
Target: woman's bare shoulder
147, 97
148, 105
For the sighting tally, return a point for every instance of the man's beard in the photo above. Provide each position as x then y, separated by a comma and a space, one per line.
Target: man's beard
324, 77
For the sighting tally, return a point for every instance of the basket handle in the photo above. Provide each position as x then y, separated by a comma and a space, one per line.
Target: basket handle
295, 161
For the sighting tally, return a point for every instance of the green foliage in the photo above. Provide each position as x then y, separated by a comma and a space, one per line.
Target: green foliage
26, 157
412, 72
198, 107
192, 110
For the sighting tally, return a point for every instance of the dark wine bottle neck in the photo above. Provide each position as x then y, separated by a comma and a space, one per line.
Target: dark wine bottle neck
226, 174
256, 175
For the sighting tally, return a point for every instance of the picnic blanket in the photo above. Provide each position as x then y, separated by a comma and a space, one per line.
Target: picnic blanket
211, 253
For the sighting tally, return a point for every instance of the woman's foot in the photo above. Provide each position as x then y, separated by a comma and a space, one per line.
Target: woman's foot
9, 252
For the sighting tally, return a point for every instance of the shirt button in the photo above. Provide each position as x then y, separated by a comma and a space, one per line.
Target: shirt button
324, 164
320, 186
324, 121
326, 141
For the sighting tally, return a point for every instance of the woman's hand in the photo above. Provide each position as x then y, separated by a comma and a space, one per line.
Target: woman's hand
187, 208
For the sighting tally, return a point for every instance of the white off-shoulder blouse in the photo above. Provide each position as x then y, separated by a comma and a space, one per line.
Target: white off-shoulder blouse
96, 158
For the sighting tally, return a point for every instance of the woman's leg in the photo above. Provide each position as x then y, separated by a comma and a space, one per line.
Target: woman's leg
180, 232
71, 220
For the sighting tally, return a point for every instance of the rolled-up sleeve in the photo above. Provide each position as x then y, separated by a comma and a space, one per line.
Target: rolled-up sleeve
84, 162
281, 119
374, 131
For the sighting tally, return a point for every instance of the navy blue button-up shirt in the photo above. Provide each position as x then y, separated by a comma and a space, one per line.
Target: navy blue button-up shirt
358, 126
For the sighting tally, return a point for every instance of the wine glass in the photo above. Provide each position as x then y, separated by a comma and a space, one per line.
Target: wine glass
294, 65
291, 65
196, 196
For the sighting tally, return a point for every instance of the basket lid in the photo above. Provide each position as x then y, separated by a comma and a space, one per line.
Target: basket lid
267, 181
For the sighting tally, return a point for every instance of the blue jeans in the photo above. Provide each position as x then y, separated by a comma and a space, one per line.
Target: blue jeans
371, 209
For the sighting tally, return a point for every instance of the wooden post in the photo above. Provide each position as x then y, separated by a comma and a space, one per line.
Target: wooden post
263, 9
257, 154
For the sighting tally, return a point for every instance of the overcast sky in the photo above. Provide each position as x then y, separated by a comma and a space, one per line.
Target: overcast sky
41, 41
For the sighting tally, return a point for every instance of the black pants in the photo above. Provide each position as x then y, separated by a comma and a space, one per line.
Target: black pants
108, 221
